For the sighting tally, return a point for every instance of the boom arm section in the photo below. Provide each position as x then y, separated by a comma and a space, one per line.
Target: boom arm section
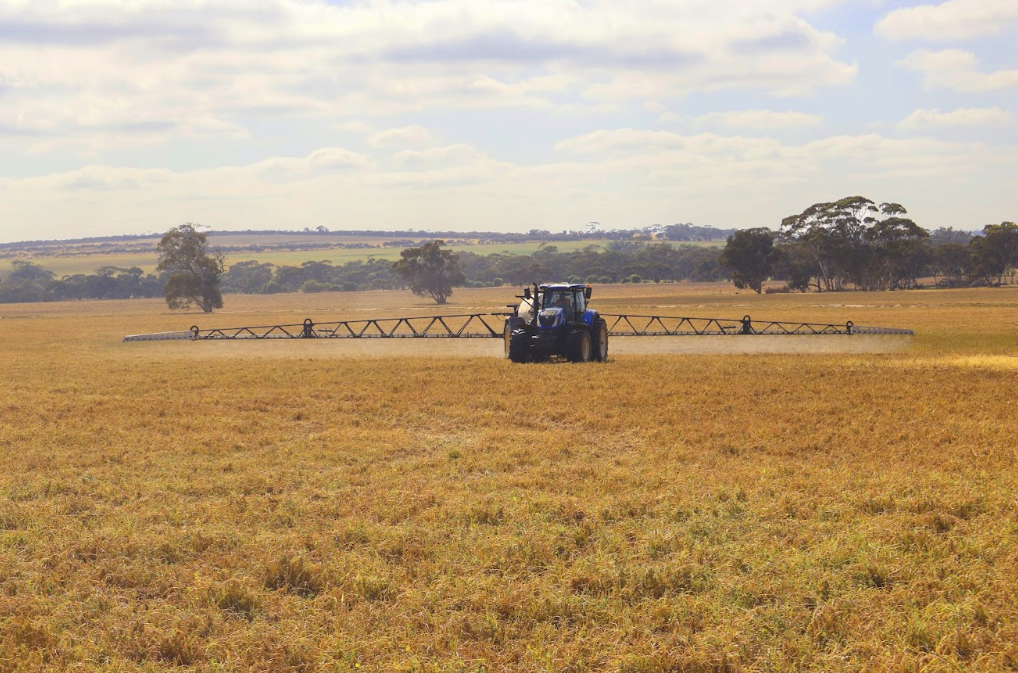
466, 326
486, 326
660, 325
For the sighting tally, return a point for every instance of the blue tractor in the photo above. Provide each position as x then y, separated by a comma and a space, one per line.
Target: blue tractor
553, 320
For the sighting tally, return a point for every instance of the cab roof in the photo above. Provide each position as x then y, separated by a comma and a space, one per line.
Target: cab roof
563, 286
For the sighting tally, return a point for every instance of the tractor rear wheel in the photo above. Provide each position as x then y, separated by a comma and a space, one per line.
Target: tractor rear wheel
600, 340
579, 347
519, 345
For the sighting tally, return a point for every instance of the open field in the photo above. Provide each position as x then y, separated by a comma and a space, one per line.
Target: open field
429, 506
64, 265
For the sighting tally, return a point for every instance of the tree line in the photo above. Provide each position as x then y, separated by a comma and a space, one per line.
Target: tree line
30, 282
620, 261
853, 243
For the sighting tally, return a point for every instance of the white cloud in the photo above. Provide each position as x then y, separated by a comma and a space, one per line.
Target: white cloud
637, 142
758, 119
406, 136
92, 76
325, 160
437, 156
747, 165
85, 73
619, 177
957, 69
924, 119
951, 20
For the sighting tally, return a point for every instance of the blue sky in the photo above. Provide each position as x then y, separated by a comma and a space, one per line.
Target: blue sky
128, 117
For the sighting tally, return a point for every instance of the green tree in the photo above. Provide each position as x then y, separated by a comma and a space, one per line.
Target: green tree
430, 271
833, 234
250, 277
27, 282
750, 255
996, 251
27, 273
899, 253
796, 267
193, 269
951, 261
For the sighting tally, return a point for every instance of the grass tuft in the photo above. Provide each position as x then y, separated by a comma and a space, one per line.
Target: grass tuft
236, 598
294, 575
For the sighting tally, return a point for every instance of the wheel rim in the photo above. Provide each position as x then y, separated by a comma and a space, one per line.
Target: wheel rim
506, 338
585, 349
602, 344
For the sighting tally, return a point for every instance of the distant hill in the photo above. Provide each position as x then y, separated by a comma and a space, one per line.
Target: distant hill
233, 242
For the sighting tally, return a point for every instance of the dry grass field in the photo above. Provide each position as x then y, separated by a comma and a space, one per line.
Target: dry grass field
711, 505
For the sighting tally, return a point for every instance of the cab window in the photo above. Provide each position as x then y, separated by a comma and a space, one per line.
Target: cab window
556, 299
579, 304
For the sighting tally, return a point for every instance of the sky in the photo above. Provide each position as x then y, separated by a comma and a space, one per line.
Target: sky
133, 116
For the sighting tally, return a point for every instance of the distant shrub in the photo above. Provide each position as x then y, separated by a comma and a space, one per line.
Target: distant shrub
313, 286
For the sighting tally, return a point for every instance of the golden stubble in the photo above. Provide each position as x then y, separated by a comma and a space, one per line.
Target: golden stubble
420, 505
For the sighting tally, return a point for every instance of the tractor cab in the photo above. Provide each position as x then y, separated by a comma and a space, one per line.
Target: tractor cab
572, 299
561, 305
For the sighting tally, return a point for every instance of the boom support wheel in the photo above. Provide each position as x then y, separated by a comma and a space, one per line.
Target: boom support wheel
600, 340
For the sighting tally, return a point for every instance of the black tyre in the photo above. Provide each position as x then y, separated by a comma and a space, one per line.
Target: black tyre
580, 348
600, 340
519, 345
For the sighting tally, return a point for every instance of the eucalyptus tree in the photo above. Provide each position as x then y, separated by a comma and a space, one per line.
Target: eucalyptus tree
193, 269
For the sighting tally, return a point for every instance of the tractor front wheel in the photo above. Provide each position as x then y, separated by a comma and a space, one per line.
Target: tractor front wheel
519, 345
580, 348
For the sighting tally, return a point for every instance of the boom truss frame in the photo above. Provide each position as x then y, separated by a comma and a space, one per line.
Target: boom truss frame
480, 326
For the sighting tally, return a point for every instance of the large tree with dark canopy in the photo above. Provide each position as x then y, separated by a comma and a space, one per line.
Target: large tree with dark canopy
194, 269
833, 234
750, 255
855, 241
430, 271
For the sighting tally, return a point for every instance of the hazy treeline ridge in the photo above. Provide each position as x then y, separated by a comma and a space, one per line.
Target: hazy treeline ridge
105, 244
